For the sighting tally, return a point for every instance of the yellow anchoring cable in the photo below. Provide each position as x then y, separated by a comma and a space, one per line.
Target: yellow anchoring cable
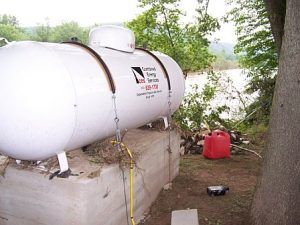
123, 147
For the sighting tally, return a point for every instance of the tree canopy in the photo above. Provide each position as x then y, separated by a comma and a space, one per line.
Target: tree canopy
10, 30
160, 27
257, 53
42, 32
66, 31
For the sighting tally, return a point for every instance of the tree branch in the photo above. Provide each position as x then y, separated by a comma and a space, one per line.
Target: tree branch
247, 150
168, 29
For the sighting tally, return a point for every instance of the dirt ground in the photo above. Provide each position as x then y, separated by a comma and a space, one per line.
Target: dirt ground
239, 173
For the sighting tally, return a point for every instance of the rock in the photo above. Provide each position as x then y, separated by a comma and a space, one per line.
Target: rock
168, 186
185, 217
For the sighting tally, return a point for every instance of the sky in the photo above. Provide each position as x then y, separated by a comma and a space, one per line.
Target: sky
89, 12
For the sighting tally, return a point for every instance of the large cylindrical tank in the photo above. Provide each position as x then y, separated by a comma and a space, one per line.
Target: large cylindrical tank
56, 97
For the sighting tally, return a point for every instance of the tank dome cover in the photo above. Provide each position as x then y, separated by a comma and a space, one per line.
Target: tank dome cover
114, 37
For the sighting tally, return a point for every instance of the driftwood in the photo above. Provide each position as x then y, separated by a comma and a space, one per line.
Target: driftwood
247, 150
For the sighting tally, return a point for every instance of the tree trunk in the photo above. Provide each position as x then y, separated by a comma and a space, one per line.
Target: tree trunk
277, 198
276, 11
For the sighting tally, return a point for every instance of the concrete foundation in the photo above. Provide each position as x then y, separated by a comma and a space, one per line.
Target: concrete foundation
28, 197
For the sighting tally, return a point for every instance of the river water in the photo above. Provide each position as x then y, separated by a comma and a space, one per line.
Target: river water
230, 93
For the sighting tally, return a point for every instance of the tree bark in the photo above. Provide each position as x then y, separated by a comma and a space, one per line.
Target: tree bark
277, 198
276, 11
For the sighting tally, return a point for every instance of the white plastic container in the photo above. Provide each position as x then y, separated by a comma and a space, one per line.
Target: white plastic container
56, 97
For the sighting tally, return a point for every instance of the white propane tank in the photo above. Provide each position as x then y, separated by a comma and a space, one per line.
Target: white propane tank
57, 97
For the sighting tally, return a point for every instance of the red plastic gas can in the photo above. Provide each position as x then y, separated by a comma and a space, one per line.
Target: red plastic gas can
217, 145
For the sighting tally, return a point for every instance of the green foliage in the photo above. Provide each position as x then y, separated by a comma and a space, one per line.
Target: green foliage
42, 32
144, 29
159, 28
254, 129
66, 31
257, 51
225, 61
9, 28
12, 33
197, 108
9, 20
255, 41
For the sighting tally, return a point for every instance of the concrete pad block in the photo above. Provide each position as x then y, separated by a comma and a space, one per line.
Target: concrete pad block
28, 197
185, 217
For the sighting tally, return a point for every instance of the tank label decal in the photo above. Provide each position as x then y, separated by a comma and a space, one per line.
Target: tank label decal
138, 74
147, 79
